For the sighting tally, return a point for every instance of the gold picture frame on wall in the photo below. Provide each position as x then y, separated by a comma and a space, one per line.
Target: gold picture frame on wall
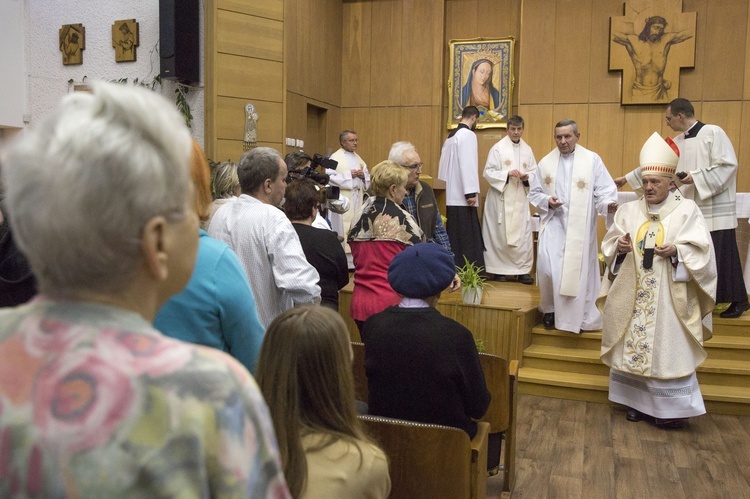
72, 39
125, 39
481, 75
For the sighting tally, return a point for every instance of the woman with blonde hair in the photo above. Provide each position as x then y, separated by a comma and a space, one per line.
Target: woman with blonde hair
305, 374
382, 230
225, 187
217, 307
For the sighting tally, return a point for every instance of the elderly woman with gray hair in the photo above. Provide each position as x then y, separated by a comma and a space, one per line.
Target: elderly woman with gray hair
94, 402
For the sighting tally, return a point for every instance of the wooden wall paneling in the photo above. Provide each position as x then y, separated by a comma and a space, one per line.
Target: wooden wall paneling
461, 20
746, 62
538, 128
500, 11
209, 79
357, 41
384, 128
271, 9
416, 126
437, 76
360, 120
537, 52
576, 112
233, 149
417, 37
294, 45
232, 123
722, 76
605, 135
328, 74
604, 85
249, 36
639, 123
249, 78
727, 115
386, 56
692, 80
572, 51
743, 151
296, 121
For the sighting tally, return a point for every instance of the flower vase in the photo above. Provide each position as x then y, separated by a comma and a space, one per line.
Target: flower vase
472, 296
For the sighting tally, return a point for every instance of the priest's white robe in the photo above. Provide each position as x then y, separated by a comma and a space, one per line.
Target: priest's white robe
458, 167
567, 261
506, 223
352, 188
654, 318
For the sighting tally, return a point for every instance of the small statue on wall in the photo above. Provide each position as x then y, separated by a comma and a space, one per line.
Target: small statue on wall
125, 39
251, 128
72, 43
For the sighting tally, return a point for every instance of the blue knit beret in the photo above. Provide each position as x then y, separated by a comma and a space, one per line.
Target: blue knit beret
421, 271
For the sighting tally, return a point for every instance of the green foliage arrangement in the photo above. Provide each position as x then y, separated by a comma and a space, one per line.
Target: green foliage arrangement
472, 276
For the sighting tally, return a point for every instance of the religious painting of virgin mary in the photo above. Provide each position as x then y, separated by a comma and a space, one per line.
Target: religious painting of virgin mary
481, 76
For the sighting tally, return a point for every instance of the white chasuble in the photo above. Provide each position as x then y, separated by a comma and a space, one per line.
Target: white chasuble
506, 227
352, 188
578, 203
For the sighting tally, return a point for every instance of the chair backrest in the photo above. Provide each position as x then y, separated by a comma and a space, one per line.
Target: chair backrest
358, 369
426, 461
497, 377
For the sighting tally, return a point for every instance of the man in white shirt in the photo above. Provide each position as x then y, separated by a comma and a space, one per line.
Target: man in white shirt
264, 238
459, 169
353, 178
571, 188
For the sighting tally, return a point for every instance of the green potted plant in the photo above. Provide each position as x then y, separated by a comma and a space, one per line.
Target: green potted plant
472, 282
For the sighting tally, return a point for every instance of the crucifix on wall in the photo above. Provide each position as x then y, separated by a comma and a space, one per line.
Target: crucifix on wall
650, 43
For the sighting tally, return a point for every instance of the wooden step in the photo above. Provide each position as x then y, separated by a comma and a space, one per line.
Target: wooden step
723, 372
552, 358
732, 327
735, 397
564, 339
728, 347
565, 385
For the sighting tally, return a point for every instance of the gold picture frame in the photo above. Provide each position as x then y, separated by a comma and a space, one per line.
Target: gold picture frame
481, 74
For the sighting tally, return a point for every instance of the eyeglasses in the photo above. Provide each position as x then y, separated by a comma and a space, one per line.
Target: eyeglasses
670, 118
414, 167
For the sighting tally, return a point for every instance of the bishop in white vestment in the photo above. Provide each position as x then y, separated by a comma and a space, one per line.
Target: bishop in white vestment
506, 224
657, 297
571, 188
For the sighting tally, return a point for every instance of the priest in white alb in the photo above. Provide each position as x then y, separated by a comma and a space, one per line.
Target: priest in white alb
657, 296
353, 179
571, 188
506, 223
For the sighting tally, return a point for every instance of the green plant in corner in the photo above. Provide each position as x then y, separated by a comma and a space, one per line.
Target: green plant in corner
472, 278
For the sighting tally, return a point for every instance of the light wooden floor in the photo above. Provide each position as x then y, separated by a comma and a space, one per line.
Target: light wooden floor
571, 449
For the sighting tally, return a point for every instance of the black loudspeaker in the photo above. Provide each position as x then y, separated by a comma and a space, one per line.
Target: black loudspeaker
179, 40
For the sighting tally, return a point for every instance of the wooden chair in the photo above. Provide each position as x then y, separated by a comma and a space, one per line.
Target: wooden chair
501, 415
429, 461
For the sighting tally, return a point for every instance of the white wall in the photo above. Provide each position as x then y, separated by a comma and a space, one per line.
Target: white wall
47, 77
12, 81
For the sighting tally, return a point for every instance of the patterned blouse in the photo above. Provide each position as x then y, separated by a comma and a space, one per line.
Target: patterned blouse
94, 402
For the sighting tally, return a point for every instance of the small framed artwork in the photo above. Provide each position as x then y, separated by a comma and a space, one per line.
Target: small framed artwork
481, 75
125, 39
72, 43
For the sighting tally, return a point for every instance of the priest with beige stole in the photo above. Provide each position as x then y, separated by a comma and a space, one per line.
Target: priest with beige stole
506, 227
571, 187
353, 178
658, 296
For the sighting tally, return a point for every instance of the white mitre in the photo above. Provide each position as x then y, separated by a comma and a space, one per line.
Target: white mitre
659, 156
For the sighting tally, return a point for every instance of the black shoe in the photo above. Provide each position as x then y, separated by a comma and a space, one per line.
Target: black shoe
735, 310
634, 415
500, 278
525, 279
549, 320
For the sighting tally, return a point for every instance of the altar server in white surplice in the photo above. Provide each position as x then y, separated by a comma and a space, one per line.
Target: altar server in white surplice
506, 226
571, 187
659, 288
353, 178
